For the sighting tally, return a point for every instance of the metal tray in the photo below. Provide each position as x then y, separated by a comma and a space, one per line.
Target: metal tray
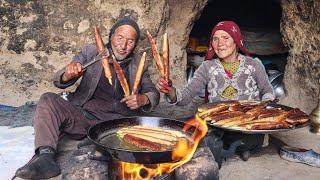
245, 131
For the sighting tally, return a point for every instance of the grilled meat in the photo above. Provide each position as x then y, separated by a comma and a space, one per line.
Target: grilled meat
154, 139
143, 143
250, 115
267, 125
270, 112
214, 110
296, 116
210, 106
227, 117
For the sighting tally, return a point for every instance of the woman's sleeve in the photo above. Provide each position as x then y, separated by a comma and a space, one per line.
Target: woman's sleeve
265, 88
196, 84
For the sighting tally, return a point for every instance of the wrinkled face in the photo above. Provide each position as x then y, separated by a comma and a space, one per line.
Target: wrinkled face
223, 45
123, 41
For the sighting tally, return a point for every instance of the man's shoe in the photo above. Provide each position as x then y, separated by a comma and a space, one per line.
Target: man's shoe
305, 156
41, 166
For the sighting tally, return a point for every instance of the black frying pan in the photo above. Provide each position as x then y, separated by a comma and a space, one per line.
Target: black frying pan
103, 135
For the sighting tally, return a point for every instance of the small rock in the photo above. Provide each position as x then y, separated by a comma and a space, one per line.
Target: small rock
68, 25
84, 25
201, 166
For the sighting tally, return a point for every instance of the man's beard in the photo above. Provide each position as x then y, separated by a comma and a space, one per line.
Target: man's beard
119, 57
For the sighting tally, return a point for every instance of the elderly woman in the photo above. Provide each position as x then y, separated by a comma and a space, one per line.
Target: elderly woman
228, 73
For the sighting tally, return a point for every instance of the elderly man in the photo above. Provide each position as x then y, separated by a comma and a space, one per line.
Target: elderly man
94, 99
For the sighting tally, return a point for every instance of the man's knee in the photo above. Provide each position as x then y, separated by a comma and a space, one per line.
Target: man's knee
48, 97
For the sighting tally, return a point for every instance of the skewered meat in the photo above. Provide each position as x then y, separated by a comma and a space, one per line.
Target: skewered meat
143, 143
121, 77
139, 74
165, 56
156, 54
228, 117
216, 109
251, 116
209, 106
155, 139
269, 112
296, 116
237, 107
267, 125
101, 50
272, 119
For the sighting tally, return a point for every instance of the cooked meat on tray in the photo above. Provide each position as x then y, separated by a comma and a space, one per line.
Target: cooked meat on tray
296, 116
250, 116
154, 139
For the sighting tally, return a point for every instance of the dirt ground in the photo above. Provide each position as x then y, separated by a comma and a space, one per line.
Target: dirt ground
267, 164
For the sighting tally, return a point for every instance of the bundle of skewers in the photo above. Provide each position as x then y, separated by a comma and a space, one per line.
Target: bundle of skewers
258, 116
162, 64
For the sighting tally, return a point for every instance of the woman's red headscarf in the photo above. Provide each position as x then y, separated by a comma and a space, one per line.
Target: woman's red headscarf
234, 31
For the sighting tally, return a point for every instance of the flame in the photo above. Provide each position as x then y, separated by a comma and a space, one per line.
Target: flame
182, 152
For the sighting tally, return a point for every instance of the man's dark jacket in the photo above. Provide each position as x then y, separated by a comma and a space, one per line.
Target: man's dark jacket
91, 76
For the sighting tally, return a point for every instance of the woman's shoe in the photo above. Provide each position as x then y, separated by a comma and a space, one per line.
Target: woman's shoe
300, 155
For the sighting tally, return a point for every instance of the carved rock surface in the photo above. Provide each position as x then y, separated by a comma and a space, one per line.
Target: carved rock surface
300, 27
39, 37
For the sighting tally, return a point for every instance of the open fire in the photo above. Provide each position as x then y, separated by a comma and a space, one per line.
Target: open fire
182, 153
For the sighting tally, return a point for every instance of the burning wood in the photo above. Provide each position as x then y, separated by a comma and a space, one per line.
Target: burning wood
101, 50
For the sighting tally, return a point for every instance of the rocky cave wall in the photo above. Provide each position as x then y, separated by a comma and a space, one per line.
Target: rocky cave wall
300, 27
39, 37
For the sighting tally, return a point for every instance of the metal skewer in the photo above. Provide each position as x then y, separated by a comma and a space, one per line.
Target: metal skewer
95, 59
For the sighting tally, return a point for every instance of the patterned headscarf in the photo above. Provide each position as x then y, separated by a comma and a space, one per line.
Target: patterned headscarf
234, 31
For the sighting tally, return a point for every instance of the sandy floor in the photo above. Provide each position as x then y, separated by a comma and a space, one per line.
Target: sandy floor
268, 165
16, 149
265, 165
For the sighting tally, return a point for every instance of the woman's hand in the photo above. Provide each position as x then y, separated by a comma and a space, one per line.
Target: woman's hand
73, 70
167, 88
135, 101
164, 86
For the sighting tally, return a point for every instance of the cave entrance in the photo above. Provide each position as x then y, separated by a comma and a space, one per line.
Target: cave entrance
259, 22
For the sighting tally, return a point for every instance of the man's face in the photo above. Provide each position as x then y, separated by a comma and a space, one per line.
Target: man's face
123, 41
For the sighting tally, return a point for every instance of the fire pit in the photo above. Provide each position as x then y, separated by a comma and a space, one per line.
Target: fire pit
116, 171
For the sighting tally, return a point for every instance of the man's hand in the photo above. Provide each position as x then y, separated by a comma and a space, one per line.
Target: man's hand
136, 101
73, 70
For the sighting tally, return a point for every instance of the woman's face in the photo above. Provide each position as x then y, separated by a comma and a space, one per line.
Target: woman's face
224, 45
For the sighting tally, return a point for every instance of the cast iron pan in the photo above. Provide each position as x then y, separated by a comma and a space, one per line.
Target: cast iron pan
283, 107
104, 136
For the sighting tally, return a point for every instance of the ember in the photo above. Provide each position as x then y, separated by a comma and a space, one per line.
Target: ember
182, 153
